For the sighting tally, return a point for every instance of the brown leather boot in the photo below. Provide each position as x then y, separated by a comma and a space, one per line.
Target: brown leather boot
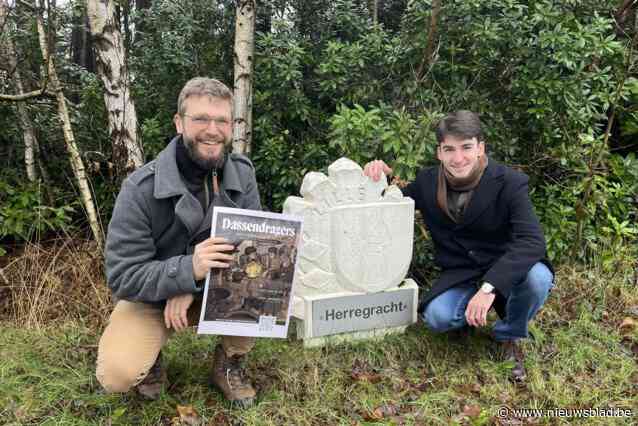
155, 380
228, 376
512, 352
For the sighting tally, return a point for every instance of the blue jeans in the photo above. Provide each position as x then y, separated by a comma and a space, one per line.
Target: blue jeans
447, 311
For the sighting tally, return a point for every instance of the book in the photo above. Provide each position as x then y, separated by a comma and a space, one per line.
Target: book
252, 297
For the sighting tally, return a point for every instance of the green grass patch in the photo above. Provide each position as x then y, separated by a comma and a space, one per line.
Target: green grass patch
580, 358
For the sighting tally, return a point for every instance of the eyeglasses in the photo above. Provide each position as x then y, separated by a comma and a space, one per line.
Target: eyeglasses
204, 121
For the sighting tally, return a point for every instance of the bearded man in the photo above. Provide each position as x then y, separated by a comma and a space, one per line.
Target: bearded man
487, 239
159, 250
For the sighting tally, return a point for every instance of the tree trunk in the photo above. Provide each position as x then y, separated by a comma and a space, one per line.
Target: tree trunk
81, 48
263, 22
373, 5
139, 25
625, 18
111, 65
429, 47
243, 87
127, 28
28, 135
76, 160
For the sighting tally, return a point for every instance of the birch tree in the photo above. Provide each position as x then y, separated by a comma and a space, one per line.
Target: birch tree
243, 72
112, 68
28, 135
77, 164
373, 5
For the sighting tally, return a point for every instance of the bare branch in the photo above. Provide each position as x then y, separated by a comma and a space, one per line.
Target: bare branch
28, 5
23, 96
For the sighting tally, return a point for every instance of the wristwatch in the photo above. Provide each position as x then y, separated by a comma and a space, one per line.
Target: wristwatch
487, 288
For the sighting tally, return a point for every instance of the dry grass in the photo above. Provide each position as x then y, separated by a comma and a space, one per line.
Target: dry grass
58, 280
53, 303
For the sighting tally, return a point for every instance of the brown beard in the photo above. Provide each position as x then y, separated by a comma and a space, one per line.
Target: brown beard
204, 163
467, 183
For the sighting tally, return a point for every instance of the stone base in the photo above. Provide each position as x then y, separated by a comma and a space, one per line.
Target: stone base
335, 339
339, 317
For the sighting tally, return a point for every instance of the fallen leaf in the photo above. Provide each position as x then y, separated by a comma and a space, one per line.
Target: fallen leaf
372, 416
366, 376
504, 397
627, 325
219, 419
469, 388
471, 410
361, 372
381, 412
188, 415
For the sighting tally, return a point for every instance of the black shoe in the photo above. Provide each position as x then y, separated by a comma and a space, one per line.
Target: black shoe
511, 351
461, 334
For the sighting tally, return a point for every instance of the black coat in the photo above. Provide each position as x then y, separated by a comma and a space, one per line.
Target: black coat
498, 240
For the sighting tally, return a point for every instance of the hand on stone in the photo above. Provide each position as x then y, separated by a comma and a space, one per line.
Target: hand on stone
374, 168
477, 309
175, 311
210, 253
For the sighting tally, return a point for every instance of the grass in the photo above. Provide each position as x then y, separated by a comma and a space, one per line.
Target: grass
580, 358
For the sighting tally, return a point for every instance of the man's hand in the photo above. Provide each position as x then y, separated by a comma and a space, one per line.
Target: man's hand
476, 311
175, 311
374, 169
210, 253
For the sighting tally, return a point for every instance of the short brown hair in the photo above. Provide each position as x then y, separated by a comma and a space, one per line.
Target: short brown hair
461, 124
203, 86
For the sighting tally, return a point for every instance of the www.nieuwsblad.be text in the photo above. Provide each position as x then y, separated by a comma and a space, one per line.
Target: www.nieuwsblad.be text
582, 413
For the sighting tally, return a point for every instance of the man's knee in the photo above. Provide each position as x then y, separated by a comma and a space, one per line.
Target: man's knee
438, 317
121, 366
539, 282
118, 376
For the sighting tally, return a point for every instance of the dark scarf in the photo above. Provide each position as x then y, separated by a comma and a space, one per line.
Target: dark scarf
190, 170
194, 175
463, 185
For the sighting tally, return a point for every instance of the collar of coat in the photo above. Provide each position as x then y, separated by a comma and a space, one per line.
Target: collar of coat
488, 188
169, 182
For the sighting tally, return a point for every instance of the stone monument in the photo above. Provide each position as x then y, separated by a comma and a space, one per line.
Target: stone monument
356, 250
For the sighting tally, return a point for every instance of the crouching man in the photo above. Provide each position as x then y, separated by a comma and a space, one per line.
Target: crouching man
159, 250
487, 239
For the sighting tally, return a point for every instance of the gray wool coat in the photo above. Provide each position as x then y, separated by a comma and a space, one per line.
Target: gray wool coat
155, 222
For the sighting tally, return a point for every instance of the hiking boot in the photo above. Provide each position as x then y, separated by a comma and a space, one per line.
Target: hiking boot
512, 351
229, 377
461, 334
155, 380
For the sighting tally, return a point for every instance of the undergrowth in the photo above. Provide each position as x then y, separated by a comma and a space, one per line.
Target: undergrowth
54, 306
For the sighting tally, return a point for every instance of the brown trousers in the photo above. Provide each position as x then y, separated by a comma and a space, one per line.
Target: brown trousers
132, 341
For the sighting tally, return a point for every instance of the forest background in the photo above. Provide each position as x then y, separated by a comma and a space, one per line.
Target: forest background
554, 82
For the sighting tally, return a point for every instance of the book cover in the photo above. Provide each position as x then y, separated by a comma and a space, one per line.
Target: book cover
252, 297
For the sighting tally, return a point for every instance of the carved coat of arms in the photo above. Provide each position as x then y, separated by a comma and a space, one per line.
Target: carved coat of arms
357, 233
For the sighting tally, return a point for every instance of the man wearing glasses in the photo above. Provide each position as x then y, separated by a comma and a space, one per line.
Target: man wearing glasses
159, 250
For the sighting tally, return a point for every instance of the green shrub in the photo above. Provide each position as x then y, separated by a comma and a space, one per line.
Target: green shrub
23, 213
